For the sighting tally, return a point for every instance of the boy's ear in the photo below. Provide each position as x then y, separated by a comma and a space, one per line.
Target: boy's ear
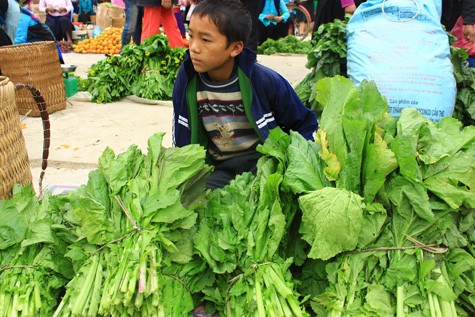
238, 46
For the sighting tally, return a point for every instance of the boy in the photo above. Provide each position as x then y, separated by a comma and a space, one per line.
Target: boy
224, 100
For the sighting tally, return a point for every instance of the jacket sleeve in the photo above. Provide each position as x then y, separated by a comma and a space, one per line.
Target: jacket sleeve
468, 12
288, 109
284, 10
180, 125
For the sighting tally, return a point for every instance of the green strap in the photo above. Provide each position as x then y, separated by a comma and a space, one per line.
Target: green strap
246, 94
198, 134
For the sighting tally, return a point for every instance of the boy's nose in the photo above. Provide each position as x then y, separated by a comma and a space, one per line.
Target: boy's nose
193, 46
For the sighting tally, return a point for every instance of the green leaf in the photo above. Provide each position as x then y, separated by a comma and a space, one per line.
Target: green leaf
378, 300
304, 173
356, 135
379, 162
180, 164
331, 221
335, 95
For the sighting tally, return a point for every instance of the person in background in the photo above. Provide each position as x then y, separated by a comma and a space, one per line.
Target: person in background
4, 38
9, 18
463, 29
468, 16
58, 18
329, 10
254, 7
273, 20
310, 6
227, 102
85, 10
133, 23
31, 29
179, 20
156, 13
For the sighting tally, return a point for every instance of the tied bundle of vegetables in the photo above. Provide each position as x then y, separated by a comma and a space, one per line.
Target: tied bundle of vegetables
157, 77
33, 267
135, 212
242, 233
387, 207
326, 58
270, 287
148, 70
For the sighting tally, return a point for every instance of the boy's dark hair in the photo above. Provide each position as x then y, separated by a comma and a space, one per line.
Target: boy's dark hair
230, 16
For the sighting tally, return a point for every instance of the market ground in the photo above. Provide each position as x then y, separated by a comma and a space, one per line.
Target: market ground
81, 131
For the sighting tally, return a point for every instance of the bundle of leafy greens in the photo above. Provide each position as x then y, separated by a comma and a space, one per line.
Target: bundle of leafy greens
33, 268
115, 77
289, 44
157, 77
387, 208
327, 58
136, 215
372, 218
241, 235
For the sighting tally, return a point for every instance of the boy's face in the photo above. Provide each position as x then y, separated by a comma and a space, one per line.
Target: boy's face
209, 51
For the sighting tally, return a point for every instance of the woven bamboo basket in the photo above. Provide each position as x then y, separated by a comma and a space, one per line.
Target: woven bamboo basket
14, 162
36, 64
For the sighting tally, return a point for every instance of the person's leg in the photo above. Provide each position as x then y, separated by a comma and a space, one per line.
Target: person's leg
170, 27
179, 21
282, 29
262, 33
274, 31
131, 13
150, 22
51, 23
227, 170
138, 26
66, 28
219, 178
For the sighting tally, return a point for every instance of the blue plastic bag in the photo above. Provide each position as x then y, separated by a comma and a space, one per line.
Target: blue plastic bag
402, 47
96, 31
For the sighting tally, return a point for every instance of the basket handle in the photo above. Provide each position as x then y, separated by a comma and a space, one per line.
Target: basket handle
40, 102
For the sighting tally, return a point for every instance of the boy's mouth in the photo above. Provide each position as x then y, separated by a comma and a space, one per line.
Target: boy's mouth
195, 61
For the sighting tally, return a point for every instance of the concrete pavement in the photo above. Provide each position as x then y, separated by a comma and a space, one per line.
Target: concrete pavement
81, 131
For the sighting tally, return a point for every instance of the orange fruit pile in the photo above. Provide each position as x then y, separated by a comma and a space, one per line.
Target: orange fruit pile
108, 42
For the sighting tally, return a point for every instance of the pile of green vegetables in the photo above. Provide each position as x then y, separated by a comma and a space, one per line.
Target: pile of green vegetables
372, 218
289, 44
327, 58
147, 70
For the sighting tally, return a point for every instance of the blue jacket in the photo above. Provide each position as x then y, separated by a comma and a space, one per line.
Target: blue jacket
270, 7
25, 22
269, 101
